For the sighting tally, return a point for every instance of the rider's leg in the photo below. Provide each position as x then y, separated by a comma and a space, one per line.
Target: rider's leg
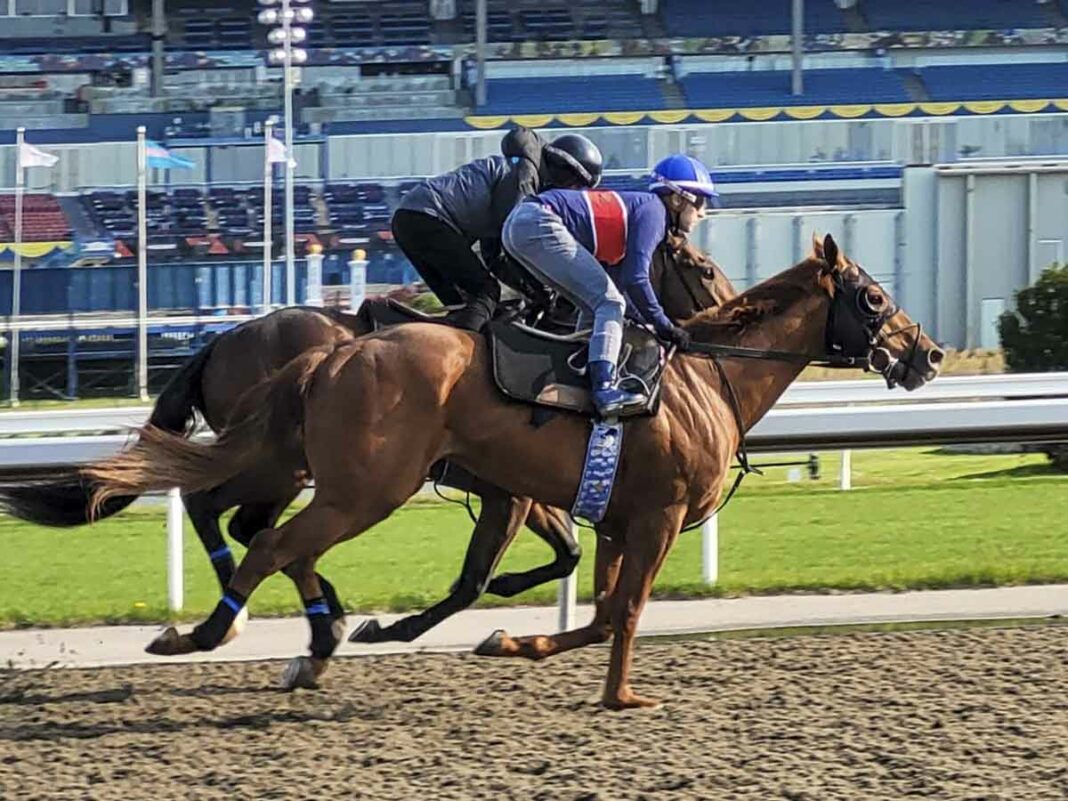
538, 238
448, 265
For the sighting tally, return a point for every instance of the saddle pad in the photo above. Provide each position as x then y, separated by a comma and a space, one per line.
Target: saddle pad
384, 312
547, 370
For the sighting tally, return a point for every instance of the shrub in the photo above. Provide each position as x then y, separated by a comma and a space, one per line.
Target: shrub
1035, 336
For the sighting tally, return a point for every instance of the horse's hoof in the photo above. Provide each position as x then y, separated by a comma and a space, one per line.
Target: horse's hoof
170, 643
629, 701
337, 628
491, 646
368, 631
236, 627
299, 674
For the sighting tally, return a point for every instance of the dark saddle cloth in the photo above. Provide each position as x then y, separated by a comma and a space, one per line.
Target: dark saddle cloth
545, 369
384, 312
550, 370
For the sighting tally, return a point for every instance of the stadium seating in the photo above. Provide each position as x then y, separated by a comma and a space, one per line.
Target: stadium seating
595, 93
822, 87
731, 18
935, 15
42, 219
1000, 82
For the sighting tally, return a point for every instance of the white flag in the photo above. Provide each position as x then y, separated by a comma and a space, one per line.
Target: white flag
30, 156
276, 152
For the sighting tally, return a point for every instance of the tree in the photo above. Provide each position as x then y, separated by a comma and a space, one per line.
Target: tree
1035, 336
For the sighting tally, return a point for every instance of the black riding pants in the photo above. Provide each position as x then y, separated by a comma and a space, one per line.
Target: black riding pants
443, 258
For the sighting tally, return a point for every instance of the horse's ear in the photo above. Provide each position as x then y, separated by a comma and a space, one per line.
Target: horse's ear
817, 247
830, 252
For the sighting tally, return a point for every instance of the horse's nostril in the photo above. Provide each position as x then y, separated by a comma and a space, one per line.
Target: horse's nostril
935, 357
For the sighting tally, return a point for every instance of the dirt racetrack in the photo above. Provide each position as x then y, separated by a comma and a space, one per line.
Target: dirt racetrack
963, 714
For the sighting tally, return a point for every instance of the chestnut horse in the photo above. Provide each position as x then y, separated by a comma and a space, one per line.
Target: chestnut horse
379, 411
212, 381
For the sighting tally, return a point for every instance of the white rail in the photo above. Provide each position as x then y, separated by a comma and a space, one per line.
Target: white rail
1029, 407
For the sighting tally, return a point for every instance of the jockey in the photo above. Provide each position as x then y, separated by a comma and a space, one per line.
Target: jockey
585, 243
439, 220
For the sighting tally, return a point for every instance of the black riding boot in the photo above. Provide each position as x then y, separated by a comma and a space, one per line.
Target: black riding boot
474, 316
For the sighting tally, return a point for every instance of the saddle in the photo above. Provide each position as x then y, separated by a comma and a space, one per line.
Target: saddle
545, 369
549, 370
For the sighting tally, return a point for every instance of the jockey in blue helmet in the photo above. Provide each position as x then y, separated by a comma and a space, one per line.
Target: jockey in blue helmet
596, 247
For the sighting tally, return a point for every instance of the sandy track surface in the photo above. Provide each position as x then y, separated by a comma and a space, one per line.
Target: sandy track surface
964, 714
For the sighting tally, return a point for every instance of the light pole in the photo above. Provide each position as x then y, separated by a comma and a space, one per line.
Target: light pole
289, 16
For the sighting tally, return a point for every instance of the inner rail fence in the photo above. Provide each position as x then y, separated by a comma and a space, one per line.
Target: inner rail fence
1027, 408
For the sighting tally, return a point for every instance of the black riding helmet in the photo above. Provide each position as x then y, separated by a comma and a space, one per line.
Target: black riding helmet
578, 156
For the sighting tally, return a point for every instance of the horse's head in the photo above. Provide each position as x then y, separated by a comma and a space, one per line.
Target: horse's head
686, 280
865, 323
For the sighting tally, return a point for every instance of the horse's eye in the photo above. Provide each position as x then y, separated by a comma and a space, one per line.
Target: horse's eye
873, 300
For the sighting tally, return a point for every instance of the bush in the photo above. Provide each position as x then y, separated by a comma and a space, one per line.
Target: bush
1035, 336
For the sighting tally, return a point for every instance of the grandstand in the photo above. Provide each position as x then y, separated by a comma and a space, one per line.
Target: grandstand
895, 93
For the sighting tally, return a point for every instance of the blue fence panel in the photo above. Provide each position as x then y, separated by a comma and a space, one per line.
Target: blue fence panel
196, 287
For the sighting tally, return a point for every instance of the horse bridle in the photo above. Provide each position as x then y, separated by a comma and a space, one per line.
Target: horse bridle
851, 339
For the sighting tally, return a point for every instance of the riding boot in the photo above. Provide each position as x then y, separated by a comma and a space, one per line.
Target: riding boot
608, 398
474, 316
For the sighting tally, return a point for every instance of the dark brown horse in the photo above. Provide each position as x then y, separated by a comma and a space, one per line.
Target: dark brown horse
377, 412
211, 383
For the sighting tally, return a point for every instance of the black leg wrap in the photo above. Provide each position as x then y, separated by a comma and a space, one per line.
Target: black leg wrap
210, 633
337, 611
323, 642
225, 571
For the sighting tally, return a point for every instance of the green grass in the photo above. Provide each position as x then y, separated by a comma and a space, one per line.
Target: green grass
915, 519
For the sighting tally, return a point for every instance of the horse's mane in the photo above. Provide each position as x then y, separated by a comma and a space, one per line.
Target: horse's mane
772, 296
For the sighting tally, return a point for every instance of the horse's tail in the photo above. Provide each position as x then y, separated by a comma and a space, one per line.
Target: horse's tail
269, 415
64, 498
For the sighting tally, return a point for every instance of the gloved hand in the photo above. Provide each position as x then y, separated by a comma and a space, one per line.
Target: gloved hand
679, 337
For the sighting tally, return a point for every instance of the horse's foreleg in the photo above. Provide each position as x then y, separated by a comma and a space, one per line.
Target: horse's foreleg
605, 574
554, 527
648, 544
498, 522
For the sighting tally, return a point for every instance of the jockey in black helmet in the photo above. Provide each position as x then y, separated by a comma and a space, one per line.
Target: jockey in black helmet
439, 220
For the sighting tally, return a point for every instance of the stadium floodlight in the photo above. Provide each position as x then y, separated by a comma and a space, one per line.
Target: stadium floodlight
278, 36
284, 54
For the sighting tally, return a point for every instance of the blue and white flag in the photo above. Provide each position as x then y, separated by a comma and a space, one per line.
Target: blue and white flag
156, 155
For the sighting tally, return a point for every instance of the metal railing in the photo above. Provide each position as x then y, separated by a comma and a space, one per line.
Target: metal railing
1026, 407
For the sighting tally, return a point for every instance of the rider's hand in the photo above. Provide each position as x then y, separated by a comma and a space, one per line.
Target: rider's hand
679, 337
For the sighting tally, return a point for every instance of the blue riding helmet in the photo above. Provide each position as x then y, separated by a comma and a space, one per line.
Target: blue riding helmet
686, 176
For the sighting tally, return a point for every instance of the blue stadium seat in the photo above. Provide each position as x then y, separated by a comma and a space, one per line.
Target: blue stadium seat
693, 18
934, 15
595, 93
996, 82
822, 87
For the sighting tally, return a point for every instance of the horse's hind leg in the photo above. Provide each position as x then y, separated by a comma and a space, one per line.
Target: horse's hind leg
204, 514
498, 522
250, 519
308, 534
554, 527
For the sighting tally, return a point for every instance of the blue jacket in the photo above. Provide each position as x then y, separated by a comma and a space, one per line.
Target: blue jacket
622, 230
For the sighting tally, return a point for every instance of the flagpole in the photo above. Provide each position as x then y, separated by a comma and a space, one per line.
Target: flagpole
287, 91
142, 269
268, 174
16, 275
